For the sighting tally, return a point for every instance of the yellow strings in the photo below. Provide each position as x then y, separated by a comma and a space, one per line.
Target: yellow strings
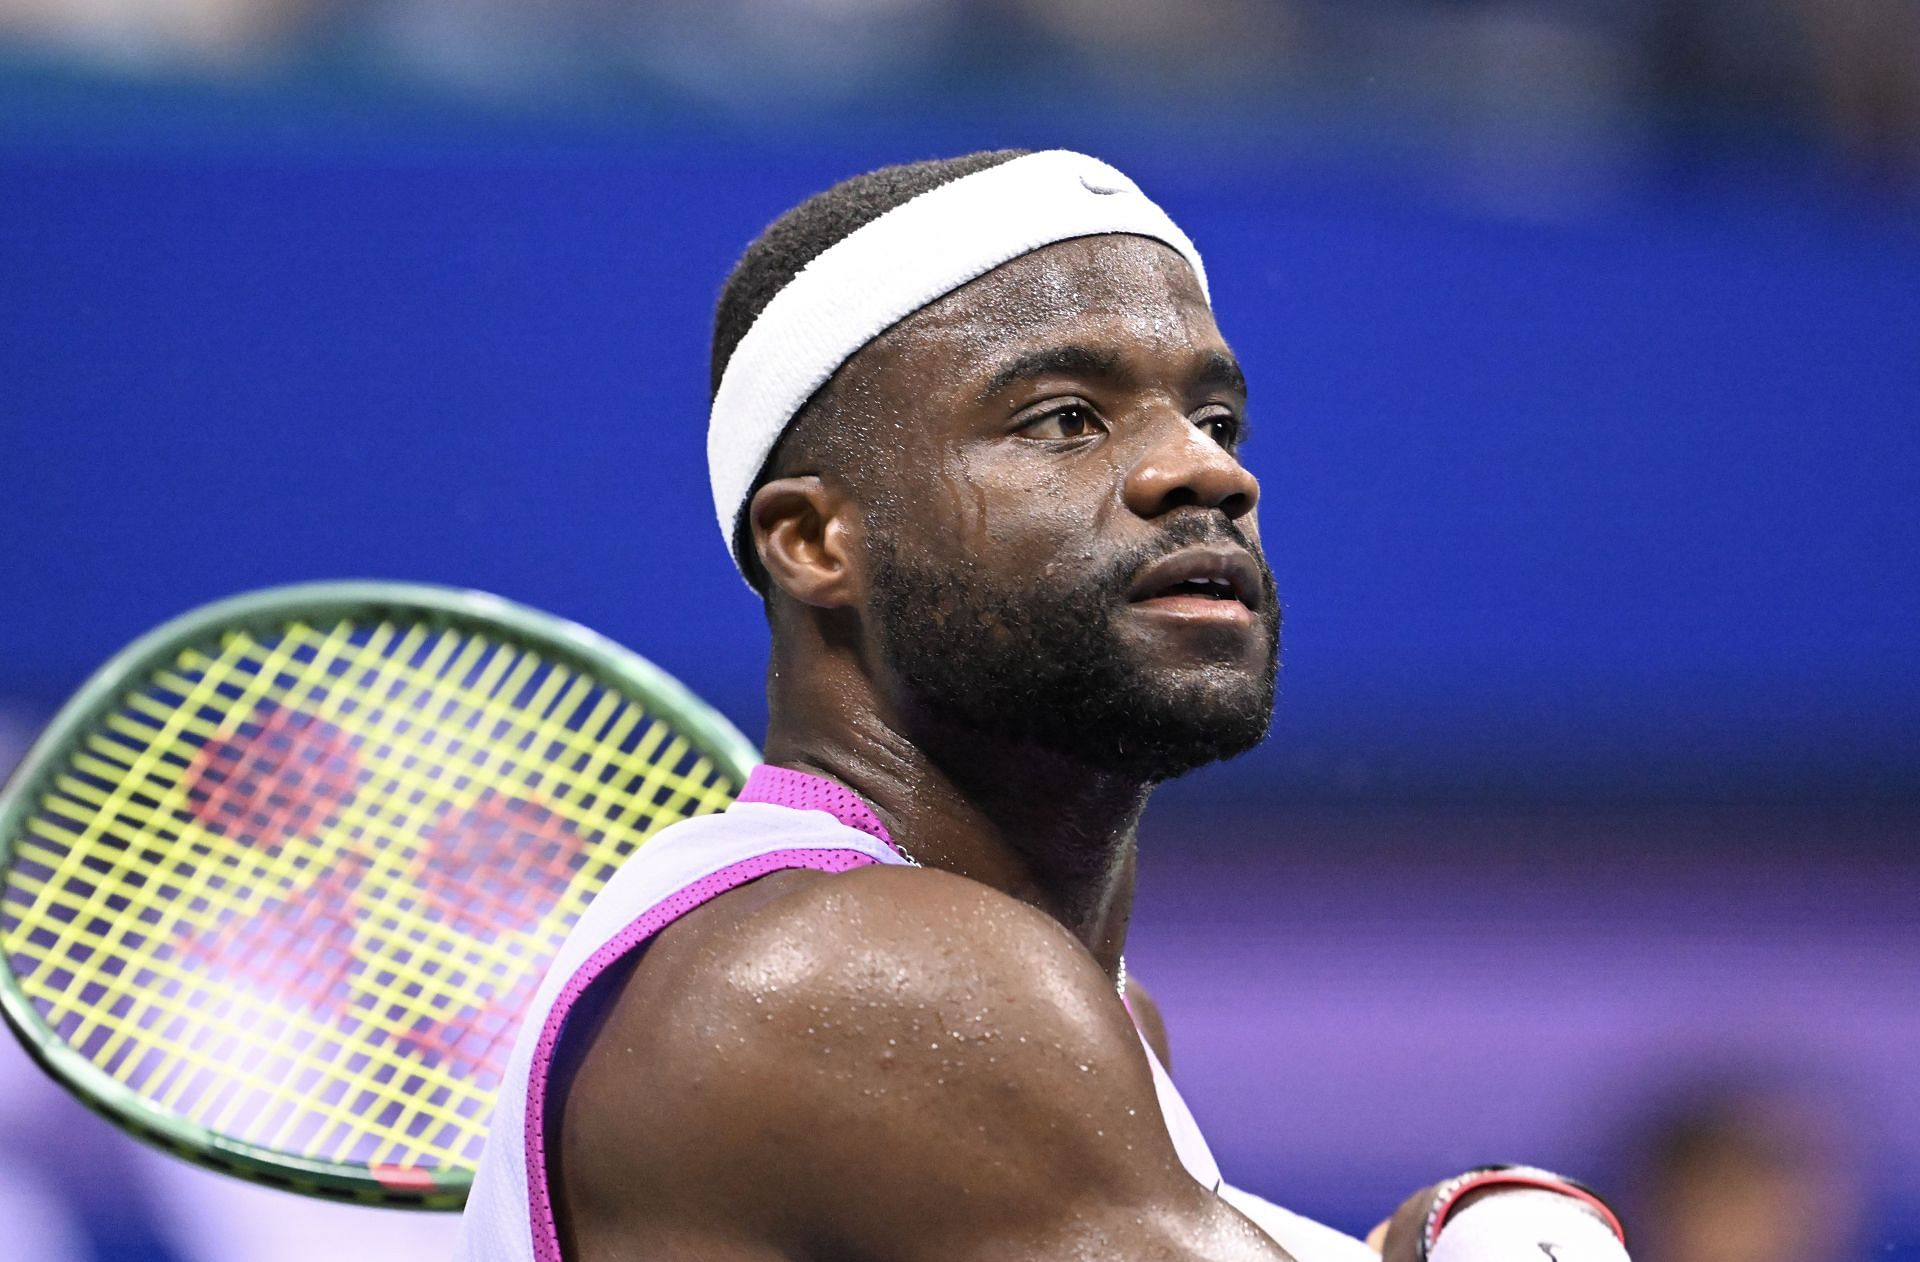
437, 718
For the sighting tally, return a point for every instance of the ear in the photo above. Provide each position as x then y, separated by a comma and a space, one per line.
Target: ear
808, 537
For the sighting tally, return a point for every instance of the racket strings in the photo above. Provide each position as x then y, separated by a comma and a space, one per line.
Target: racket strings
291, 886
224, 1084
407, 827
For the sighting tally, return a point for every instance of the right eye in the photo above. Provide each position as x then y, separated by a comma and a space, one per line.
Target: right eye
1075, 420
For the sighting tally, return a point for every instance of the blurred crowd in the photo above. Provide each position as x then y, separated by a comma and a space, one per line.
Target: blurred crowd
1844, 74
1740, 1169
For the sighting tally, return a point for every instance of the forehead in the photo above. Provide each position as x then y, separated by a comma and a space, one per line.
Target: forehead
1126, 293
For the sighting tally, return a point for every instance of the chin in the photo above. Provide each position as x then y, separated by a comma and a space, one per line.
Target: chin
1182, 725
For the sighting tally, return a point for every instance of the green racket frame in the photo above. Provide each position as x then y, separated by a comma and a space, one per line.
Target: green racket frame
264, 610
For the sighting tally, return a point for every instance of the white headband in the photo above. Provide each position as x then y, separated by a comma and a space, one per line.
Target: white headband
878, 275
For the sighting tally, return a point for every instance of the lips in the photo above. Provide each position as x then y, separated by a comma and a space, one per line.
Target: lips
1221, 574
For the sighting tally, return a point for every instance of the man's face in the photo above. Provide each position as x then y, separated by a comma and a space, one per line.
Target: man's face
1062, 547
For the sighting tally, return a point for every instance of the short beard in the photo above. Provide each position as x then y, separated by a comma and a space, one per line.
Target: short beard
1038, 665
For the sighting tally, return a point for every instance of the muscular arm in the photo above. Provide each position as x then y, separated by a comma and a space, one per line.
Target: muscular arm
890, 1064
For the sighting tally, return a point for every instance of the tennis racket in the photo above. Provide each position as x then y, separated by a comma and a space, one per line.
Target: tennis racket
278, 884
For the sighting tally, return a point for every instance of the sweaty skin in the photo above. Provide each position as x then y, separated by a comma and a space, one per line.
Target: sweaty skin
931, 1063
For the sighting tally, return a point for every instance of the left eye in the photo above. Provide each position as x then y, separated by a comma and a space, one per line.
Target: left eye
1074, 421
1224, 430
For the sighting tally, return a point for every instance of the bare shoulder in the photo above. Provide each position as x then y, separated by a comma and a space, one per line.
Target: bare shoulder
855, 1060
884, 942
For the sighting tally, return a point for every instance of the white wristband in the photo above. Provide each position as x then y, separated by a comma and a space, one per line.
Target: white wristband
1527, 1226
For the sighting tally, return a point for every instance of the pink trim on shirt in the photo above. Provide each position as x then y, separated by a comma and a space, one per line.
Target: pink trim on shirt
546, 1236
784, 786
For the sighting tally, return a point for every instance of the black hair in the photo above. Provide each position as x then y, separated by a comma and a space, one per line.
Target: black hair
776, 257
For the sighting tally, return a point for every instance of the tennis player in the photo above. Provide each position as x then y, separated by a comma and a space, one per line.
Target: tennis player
975, 441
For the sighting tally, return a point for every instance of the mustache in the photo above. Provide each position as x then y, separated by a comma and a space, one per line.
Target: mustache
1184, 531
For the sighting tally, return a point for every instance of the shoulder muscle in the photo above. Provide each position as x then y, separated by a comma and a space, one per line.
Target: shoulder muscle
892, 1062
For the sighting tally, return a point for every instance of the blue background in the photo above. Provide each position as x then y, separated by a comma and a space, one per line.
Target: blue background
1615, 503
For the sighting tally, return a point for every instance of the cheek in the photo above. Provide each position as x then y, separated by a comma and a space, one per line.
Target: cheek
942, 508
1005, 511
1040, 515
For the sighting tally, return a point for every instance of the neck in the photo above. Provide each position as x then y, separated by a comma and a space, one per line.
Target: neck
1044, 829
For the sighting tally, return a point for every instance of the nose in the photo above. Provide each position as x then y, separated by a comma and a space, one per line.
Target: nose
1185, 468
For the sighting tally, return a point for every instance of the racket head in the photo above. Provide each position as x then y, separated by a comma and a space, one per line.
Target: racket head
278, 884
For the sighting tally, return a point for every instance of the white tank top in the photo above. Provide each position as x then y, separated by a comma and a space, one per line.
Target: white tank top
782, 820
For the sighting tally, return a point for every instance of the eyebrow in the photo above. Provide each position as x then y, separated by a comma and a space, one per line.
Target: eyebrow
1217, 371
1070, 361
1222, 371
